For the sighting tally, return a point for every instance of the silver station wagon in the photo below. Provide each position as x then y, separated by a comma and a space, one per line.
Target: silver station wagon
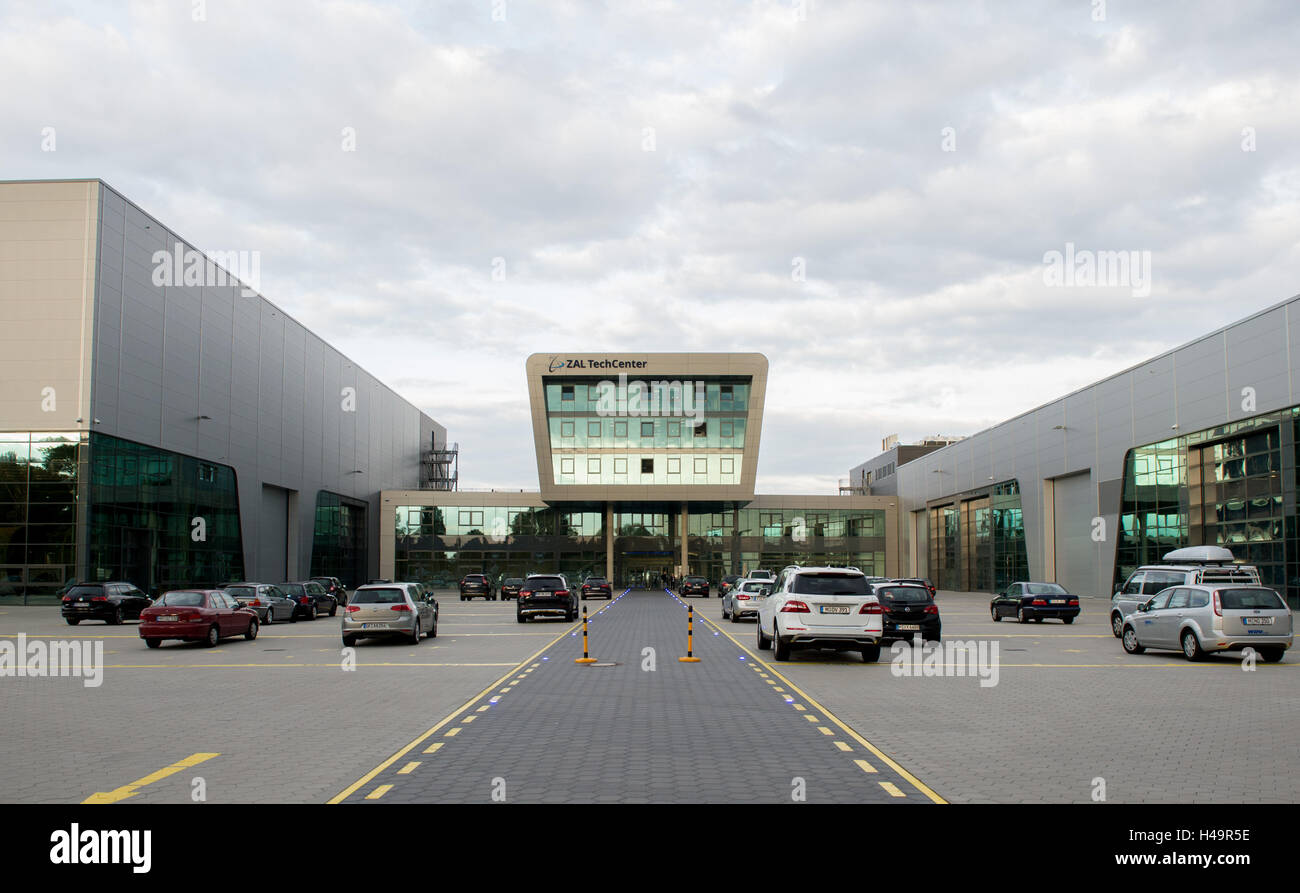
1205, 618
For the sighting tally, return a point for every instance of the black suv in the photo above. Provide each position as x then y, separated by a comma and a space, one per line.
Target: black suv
510, 587
110, 602
909, 610
334, 586
694, 585
310, 599
476, 586
597, 587
546, 595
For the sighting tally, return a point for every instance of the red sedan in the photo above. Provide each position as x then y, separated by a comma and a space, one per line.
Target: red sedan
196, 615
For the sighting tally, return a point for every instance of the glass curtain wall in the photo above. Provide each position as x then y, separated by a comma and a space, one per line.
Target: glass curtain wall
736, 541
39, 478
338, 547
978, 545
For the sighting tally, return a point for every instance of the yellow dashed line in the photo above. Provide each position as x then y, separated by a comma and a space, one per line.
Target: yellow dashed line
892, 789
824, 730
379, 792
866, 767
408, 768
484, 707
811, 718
433, 748
842, 746
469, 719
452, 733
800, 707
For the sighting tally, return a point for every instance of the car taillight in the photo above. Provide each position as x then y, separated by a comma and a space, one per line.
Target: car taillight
256, 603
400, 608
795, 607
190, 617
1074, 603
872, 608
1218, 605
304, 600
561, 592
99, 598
931, 609
1038, 601
525, 593
741, 597
352, 609
67, 598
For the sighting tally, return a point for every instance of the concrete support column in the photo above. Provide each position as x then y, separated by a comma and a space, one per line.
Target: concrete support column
684, 527
609, 542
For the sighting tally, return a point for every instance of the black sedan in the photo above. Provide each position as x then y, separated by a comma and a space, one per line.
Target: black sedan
909, 611
1036, 602
694, 586
310, 599
110, 602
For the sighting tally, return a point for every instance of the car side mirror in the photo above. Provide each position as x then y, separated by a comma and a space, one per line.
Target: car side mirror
1143, 608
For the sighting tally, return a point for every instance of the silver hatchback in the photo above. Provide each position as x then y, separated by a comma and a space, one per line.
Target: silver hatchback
1205, 618
388, 610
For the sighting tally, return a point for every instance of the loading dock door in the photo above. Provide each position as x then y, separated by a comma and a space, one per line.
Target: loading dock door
1075, 505
273, 536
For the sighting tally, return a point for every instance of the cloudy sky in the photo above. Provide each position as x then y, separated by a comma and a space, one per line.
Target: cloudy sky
864, 192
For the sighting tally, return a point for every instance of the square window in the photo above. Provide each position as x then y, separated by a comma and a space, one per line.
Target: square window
566, 466
465, 518
674, 429
647, 466
566, 429
593, 429
674, 465
702, 429
566, 392
647, 429
593, 465
620, 429
701, 465
728, 465
593, 392
620, 466
728, 429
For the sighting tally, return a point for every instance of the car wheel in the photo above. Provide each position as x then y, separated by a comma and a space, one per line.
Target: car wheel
780, 647
1038, 620
213, 637
1192, 649
334, 610
520, 618
1271, 655
311, 612
293, 616
735, 618
270, 616
349, 641
993, 612
1020, 615
1130, 640
72, 621
117, 618
153, 643
416, 633
433, 633
764, 642
252, 630
1067, 620
1117, 624
871, 654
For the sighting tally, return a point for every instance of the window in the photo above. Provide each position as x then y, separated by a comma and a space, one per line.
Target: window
674, 465
470, 518
207, 473
620, 429
593, 392
566, 466
647, 466
725, 393
728, 428
620, 465
674, 429
566, 392
647, 429
566, 429
1179, 599
728, 465
1158, 602
702, 429
593, 429
701, 465
593, 465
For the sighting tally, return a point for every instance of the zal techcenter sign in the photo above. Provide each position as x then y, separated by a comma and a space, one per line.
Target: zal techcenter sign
589, 363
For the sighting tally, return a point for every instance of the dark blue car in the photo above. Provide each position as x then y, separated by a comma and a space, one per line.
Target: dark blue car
1036, 602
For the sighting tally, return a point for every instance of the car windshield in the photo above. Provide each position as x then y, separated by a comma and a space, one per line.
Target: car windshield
76, 591
753, 586
1044, 589
1245, 599
696, 580
909, 594
241, 591
546, 584
182, 599
830, 584
378, 597
292, 588
596, 581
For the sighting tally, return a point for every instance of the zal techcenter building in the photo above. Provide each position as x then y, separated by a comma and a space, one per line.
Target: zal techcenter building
646, 464
163, 424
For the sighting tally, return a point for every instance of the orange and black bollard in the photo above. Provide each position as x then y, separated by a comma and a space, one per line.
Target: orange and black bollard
690, 657
586, 655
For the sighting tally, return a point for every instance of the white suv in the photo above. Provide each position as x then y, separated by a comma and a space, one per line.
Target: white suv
821, 607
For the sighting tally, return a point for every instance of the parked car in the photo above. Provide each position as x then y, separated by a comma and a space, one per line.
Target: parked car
597, 587
270, 602
823, 608
334, 586
546, 595
694, 585
196, 615
909, 611
1182, 567
761, 575
1035, 601
476, 586
742, 599
1209, 617
109, 602
510, 587
387, 610
310, 598
728, 581
919, 581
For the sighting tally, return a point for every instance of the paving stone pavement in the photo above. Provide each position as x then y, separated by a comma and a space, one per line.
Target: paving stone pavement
722, 730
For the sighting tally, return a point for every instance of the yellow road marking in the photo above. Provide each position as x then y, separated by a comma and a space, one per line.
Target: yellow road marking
842, 746
365, 779
469, 719
800, 707
824, 730
453, 732
866, 767
408, 768
892, 789
778, 688
379, 792
433, 748
909, 777
333, 666
811, 718
129, 790
484, 707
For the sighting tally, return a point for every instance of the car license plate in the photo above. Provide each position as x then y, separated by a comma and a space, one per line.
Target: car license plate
910, 627
1058, 601
835, 609
83, 607
373, 625
1258, 621
167, 618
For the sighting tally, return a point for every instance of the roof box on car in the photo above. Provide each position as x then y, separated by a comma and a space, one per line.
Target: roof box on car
1200, 555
